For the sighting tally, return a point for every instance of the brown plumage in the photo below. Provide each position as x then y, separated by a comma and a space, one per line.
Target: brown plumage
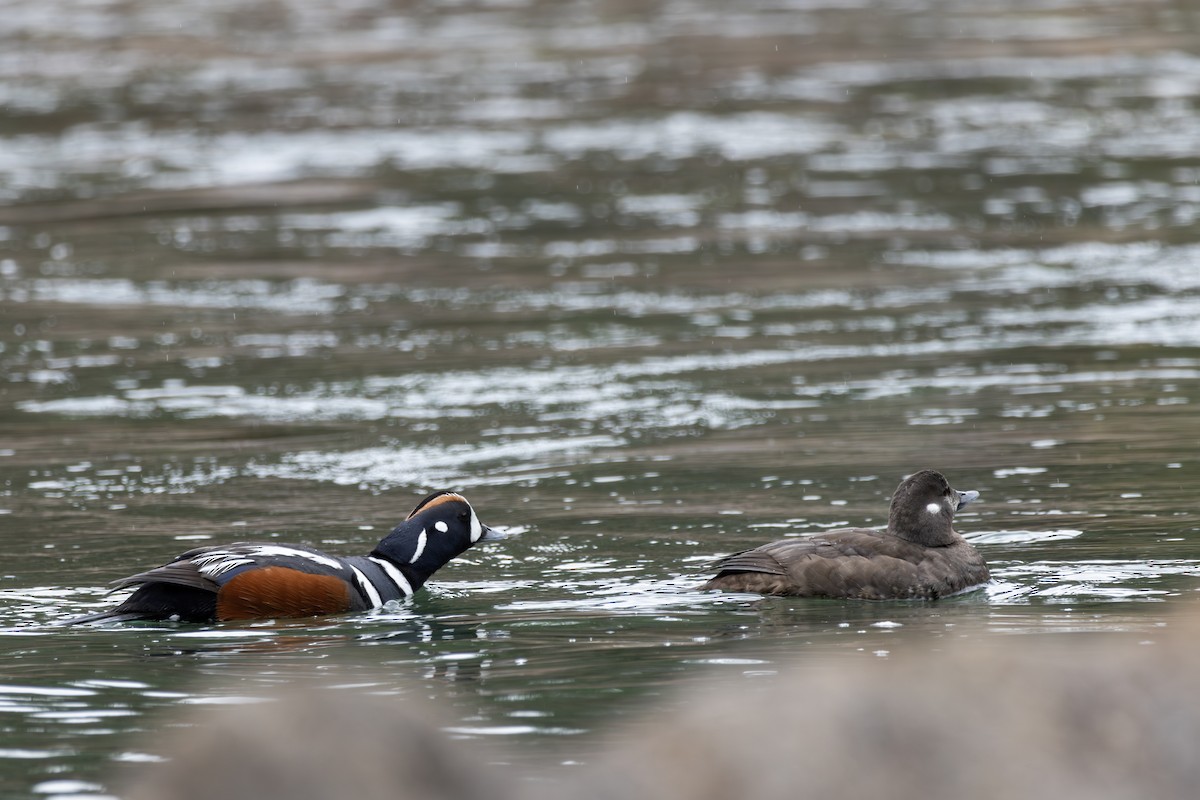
280, 592
918, 556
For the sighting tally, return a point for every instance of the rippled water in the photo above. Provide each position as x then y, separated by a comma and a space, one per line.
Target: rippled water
647, 282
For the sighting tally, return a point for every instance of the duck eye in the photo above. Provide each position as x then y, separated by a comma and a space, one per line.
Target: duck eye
463, 516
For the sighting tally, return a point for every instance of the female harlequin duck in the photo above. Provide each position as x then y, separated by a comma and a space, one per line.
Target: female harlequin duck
255, 580
918, 556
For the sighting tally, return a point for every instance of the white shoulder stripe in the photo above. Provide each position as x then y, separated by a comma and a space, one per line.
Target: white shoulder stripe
279, 550
367, 586
219, 561
214, 563
396, 575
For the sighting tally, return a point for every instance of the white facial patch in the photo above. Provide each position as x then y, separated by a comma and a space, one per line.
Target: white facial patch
441, 526
934, 508
476, 526
421, 540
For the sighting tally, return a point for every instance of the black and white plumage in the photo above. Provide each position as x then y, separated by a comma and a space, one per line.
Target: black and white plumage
259, 580
919, 556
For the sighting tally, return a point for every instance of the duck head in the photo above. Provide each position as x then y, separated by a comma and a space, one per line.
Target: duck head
923, 508
442, 526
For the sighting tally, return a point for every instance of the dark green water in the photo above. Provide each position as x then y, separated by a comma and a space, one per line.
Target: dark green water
647, 282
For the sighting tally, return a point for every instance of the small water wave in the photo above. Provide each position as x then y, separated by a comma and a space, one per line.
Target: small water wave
621, 597
1021, 536
386, 467
1088, 581
1167, 267
300, 296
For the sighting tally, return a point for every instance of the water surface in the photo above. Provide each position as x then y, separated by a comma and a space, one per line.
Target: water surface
648, 283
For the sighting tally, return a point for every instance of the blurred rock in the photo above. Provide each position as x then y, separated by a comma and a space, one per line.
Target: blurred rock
319, 745
1081, 717
1074, 718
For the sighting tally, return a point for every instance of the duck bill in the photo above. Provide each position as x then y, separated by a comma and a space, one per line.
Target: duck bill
491, 535
966, 497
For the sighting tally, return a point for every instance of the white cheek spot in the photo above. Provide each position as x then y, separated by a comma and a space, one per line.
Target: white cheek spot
441, 526
476, 527
934, 508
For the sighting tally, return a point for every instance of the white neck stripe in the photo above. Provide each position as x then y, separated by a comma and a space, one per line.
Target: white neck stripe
367, 586
397, 577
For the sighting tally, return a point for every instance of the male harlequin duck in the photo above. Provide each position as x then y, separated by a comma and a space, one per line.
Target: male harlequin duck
255, 580
918, 556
